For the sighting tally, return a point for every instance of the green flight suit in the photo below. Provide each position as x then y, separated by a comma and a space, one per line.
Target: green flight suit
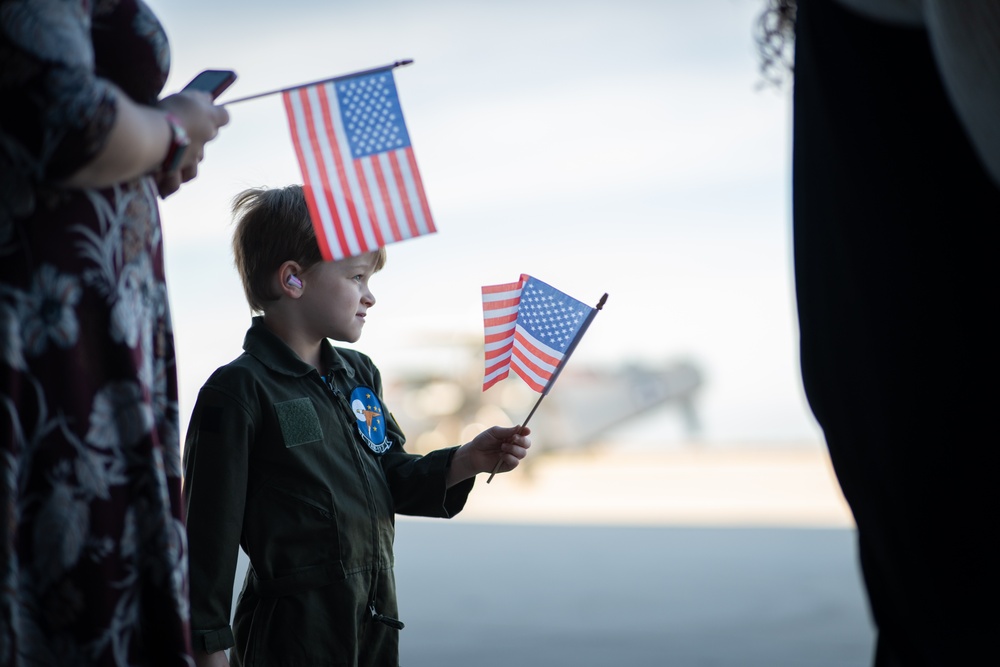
285, 463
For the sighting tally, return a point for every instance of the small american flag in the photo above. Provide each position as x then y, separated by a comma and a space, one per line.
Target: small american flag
359, 172
530, 327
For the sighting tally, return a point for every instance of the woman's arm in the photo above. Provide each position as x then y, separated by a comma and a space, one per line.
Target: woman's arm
60, 123
141, 136
217, 659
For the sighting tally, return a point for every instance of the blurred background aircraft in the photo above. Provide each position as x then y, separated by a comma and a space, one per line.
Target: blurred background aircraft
440, 402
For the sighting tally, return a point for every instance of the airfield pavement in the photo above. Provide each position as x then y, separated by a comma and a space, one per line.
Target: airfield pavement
740, 556
697, 556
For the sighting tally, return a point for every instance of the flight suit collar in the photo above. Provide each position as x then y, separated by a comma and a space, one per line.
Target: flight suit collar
272, 352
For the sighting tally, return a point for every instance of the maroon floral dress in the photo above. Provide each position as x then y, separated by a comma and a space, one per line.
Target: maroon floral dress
93, 551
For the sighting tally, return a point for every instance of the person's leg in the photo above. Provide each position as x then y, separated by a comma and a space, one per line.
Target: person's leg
891, 209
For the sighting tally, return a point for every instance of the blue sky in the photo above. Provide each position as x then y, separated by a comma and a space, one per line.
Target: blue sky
603, 147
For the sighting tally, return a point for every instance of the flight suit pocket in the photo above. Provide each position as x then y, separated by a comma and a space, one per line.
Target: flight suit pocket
291, 531
298, 422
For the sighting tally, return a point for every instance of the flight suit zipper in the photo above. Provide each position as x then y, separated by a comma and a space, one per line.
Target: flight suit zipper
339, 397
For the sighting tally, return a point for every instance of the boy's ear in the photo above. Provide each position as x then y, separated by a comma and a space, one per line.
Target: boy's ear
289, 282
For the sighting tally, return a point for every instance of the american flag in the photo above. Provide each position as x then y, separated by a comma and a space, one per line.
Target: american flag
359, 172
530, 327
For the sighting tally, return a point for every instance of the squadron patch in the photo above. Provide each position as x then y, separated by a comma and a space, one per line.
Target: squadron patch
367, 410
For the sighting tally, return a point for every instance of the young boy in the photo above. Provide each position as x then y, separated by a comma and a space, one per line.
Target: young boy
291, 454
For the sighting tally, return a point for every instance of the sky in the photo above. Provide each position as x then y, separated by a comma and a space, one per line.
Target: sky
622, 147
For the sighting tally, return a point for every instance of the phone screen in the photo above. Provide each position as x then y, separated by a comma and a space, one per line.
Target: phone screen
213, 81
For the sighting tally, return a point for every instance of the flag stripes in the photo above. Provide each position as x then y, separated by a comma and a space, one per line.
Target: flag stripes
516, 318
500, 304
359, 171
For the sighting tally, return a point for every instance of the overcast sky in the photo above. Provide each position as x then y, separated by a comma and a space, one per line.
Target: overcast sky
618, 147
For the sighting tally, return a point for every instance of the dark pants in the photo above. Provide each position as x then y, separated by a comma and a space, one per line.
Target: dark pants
896, 289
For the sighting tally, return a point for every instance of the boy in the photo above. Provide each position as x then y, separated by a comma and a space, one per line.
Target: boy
291, 455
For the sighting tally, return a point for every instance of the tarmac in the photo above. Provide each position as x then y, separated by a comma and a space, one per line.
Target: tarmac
721, 556
698, 557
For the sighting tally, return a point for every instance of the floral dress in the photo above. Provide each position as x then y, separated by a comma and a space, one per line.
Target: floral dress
93, 550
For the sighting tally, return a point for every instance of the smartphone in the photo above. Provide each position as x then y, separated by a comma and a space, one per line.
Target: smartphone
212, 81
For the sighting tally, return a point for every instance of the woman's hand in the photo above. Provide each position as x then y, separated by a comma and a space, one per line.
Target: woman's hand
201, 119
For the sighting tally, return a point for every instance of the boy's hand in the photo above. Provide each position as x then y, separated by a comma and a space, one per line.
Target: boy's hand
217, 659
509, 444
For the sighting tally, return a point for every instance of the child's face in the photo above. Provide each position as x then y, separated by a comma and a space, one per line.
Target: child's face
336, 297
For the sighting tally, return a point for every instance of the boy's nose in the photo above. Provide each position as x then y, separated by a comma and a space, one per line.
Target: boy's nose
368, 298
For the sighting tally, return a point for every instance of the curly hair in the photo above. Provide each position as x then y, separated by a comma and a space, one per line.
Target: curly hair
774, 33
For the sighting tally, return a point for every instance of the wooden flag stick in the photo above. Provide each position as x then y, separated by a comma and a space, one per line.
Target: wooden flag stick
555, 374
398, 63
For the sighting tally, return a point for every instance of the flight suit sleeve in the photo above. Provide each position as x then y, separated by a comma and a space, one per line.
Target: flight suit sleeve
419, 484
216, 466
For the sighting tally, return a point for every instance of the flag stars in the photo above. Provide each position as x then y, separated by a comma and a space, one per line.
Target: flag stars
549, 317
370, 112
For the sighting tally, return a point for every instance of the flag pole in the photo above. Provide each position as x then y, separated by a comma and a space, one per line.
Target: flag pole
398, 63
555, 374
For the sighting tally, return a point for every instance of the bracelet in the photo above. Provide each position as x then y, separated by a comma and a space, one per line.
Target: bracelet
179, 142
